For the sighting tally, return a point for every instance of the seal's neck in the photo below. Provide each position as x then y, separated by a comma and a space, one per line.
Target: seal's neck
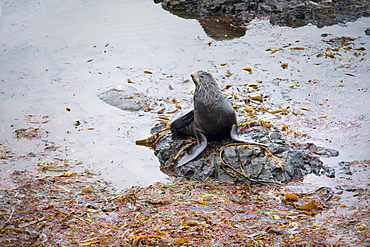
208, 92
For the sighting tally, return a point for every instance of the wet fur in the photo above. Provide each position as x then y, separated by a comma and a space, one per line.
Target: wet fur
213, 114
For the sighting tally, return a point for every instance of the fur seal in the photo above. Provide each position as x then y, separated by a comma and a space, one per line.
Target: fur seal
213, 117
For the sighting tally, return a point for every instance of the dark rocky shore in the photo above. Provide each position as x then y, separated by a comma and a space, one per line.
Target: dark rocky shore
231, 16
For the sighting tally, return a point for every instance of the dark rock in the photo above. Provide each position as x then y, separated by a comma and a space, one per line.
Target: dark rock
329, 171
253, 161
245, 16
234, 14
345, 168
276, 148
367, 31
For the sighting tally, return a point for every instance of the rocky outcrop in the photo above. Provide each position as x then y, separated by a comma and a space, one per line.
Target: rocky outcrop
225, 160
232, 15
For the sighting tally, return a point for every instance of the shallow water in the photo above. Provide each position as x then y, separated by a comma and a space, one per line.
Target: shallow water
55, 56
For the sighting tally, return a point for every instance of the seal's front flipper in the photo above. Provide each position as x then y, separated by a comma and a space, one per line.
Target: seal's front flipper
196, 151
184, 124
235, 136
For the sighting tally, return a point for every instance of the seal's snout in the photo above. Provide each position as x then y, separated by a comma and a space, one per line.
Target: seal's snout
195, 78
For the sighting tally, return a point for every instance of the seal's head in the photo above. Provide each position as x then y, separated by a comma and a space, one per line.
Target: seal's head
203, 78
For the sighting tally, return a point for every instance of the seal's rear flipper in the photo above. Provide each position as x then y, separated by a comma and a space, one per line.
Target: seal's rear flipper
184, 124
235, 136
198, 149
